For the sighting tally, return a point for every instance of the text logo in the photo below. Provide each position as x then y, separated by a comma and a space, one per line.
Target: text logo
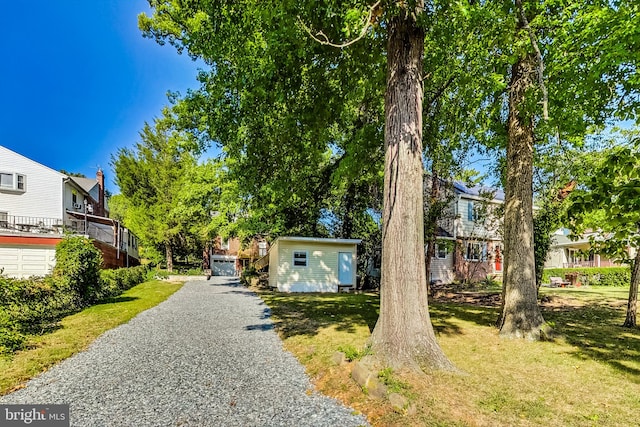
34, 415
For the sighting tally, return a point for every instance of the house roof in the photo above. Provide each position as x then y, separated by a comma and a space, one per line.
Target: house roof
478, 190
86, 184
560, 240
31, 160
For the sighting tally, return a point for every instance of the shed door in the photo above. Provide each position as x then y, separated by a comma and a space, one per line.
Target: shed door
345, 268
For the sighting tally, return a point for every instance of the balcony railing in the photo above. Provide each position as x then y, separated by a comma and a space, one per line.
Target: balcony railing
602, 263
29, 224
41, 225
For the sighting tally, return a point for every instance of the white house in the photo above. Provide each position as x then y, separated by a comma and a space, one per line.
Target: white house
469, 245
567, 252
308, 264
38, 205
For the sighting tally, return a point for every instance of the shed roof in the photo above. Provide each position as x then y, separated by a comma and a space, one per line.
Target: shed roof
318, 240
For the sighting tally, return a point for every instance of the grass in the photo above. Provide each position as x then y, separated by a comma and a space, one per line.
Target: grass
589, 377
74, 333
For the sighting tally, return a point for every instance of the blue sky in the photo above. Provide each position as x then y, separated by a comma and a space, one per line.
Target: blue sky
78, 80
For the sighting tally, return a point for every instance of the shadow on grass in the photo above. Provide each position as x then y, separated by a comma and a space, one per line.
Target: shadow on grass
446, 317
306, 314
591, 328
115, 300
596, 333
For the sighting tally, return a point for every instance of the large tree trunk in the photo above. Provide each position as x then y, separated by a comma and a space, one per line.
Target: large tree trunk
169, 256
432, 224
521, 316
632, 305
403, 336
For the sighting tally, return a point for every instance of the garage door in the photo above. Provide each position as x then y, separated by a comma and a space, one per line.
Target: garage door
25, 262
223, 265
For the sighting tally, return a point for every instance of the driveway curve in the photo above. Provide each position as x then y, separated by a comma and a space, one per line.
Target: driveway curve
207, 356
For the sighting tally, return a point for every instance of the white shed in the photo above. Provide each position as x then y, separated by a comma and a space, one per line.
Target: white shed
309, 264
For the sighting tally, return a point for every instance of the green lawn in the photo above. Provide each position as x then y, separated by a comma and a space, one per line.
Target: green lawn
590, 376
74, 333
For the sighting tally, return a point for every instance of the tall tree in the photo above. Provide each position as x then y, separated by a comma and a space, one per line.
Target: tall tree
554, 47
150, 177
295, 93
611, 188
403, 335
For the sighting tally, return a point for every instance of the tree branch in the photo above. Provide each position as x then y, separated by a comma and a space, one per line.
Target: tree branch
540, 69
322, 38
438, 93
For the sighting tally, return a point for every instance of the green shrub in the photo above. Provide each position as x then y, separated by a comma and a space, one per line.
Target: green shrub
31, 306
28, 306
602, 276
247, 274
10, 337
114, 282
77, 269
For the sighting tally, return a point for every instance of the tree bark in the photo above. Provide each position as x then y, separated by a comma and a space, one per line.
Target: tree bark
403, 336
521, 316
432, 221
169, 256
632, 305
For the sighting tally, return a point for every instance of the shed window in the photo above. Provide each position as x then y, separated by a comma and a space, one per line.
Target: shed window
300, 258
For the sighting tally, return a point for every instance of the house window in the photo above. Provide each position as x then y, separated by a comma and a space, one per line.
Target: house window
471, 213
4, 219
12, 181
300, 258
74, 198
440, 251
476, 251
262, 248
6, 180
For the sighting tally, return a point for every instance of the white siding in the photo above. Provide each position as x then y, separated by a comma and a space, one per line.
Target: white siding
43, 195
442, 268
321, 272
273, 266
556, 258
24, 261
485, 228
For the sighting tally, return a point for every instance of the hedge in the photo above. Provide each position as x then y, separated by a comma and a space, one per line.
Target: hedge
31, 306
602, 276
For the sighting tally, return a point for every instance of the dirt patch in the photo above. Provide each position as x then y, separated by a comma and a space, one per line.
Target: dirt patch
480, 298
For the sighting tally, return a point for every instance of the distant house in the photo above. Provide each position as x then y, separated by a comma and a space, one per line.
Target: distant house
468, 246
308, 264
228, 258
566, 252
38, 205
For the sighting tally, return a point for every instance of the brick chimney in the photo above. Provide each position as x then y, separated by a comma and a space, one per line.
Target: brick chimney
100, 179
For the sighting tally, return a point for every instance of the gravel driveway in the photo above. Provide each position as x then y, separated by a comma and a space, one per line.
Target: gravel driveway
207, 356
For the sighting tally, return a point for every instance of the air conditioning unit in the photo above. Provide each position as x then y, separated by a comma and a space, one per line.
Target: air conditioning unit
77, 206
